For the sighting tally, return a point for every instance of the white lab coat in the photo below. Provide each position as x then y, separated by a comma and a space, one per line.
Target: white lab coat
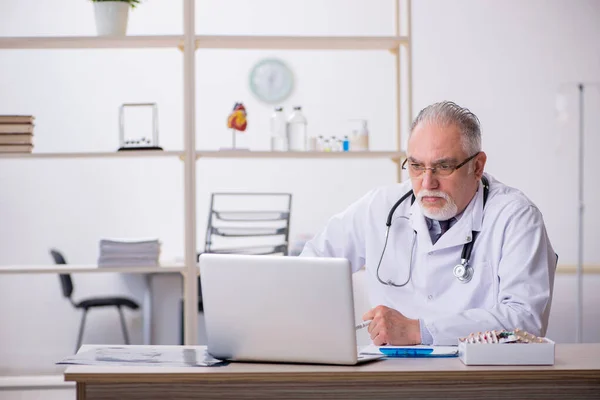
512, 258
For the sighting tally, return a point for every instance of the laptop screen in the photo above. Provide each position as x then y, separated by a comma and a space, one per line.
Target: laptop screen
277, 308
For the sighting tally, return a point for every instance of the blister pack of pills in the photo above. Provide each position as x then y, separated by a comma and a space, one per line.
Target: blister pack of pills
503, 336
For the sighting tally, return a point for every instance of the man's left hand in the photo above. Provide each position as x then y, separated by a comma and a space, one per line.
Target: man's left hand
391, 327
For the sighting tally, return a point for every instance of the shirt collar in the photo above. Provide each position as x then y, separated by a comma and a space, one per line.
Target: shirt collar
474, 209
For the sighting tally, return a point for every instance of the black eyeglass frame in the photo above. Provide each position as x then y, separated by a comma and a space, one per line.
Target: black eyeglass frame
434, 170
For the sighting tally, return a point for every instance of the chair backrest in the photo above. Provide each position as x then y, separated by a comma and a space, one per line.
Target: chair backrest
66, 282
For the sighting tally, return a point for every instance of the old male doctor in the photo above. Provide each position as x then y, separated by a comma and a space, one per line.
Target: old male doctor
419, 294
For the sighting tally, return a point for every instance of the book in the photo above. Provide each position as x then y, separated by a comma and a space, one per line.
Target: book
16, 148
16, 138
16, 119
16, 128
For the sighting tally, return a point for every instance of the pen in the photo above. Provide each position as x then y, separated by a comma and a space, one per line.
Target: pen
363, 324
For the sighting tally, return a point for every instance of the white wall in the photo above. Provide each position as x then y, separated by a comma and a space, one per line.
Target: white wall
38, 394
504, 60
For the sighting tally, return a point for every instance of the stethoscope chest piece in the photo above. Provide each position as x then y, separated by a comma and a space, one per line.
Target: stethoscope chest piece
463, 272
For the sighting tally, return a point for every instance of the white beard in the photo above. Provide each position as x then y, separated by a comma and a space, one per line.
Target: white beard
448, 210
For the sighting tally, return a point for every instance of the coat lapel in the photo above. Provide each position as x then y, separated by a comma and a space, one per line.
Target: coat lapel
417, 220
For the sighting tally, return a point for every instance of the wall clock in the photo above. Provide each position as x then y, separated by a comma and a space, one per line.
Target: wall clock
271, 81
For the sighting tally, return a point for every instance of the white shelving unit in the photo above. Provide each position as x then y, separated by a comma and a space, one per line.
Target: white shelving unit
105, 154
206, 42
188, 43
393, 155
300, 42
90, 42
90, 268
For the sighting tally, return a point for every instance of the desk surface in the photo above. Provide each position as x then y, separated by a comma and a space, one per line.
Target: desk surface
76, 269
576, 374
572, 360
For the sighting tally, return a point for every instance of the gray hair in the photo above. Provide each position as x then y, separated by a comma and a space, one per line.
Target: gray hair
448, 113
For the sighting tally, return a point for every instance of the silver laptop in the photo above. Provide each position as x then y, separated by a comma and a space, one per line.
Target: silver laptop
279, 309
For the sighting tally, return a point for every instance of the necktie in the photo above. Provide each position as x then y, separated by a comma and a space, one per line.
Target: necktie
444, 226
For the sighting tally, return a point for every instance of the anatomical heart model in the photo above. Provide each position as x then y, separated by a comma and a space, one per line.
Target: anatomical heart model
236, 121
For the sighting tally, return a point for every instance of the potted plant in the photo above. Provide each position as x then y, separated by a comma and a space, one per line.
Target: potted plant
111, 16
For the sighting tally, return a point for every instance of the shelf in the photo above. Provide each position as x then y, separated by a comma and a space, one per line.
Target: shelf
394, 155
301, 42
207, 42
572, 269
21, 382
108, 154
76, 269
91, 42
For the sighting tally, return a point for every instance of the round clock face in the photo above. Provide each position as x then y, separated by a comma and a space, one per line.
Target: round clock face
271, 81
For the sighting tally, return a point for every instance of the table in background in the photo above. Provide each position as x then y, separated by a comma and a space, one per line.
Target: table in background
94, 269
575, 375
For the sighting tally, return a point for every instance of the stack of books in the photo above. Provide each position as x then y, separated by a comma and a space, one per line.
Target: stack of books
127, 253
16, 133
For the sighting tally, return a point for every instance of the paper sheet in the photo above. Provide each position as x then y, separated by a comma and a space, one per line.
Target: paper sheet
144, 356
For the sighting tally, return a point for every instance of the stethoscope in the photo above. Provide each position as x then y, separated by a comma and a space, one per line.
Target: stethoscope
463, 271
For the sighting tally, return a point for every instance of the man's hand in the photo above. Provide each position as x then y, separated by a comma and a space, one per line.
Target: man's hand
391, 327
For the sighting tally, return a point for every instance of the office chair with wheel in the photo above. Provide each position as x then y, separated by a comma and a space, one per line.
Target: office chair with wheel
67, 288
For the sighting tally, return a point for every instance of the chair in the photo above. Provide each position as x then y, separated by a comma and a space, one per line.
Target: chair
67, 288
245, 223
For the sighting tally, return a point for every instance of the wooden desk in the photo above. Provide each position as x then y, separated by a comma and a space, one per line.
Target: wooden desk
575, 375
94, 269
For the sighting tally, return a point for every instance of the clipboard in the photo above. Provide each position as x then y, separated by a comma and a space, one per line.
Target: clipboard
419, 351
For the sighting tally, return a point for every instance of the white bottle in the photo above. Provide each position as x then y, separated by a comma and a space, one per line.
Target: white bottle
278, 130
320, 142
360, 138
296, 131
335, 144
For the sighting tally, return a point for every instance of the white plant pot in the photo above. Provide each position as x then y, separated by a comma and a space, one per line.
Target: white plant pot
111, 18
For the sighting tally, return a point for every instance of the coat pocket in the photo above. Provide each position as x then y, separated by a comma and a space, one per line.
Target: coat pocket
479, 292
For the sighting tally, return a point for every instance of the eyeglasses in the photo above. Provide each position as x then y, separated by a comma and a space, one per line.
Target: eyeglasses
443, 169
